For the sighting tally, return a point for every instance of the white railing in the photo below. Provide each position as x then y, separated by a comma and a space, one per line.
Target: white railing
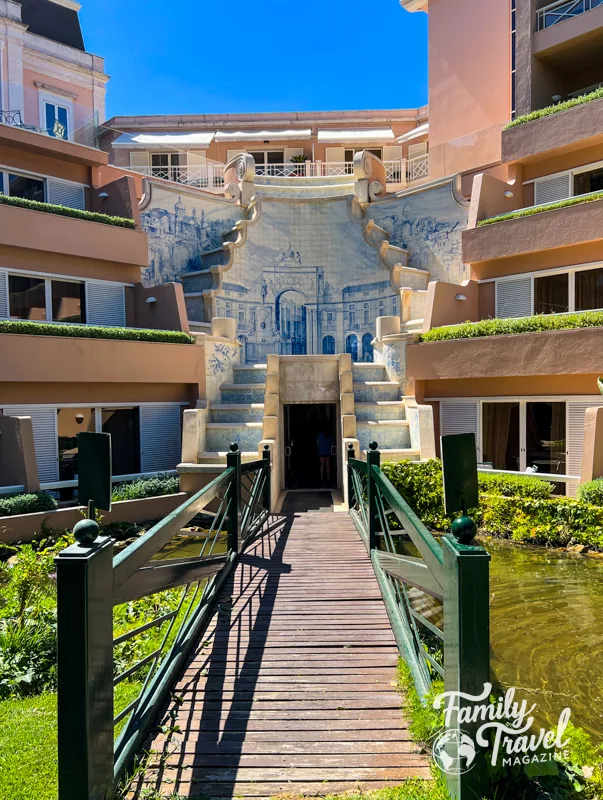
562, 10
202, 176
417, 168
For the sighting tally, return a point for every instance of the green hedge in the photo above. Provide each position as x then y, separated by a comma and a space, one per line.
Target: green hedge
94, 332
592, 492
529, 212
501, 327
65, 211
546, 112
146, 487
26, 504
511, 507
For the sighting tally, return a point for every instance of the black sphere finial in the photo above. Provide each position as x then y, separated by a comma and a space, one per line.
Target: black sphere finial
234, 447
86, 531
373, 446
350, 446
266, 447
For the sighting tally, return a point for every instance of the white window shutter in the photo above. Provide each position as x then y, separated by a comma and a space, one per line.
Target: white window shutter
160, 437
139, 158
44, 423
415, 150
105, 304
62, 193
3, 294
230, 154
335, 154
456, 417
575, 440
550, 190
392, 152
292, 151
514, 298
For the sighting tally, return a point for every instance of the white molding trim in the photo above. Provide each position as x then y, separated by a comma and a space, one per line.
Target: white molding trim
58, 100
72, 4
57, 90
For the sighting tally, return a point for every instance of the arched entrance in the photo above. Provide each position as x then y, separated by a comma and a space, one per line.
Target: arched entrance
351, 346
328, 346
367, 347
290, 319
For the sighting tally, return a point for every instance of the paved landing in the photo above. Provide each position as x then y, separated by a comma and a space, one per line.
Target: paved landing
291, 690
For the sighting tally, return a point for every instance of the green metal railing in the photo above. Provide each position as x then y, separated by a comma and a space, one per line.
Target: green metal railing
91, 582
437, 601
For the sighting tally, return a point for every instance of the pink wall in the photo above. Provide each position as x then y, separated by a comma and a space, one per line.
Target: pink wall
82, 105
469, 82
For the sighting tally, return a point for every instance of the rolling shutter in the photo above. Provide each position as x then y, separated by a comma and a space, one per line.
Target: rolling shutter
3, 294
62, 193
160, 437
514, 298
575, 440
456, 417
550, 190
44, 424
105, 304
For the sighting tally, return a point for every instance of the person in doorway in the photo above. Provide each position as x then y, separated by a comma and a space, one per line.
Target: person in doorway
325, 442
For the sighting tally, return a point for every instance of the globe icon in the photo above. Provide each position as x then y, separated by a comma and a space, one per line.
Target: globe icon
454, 752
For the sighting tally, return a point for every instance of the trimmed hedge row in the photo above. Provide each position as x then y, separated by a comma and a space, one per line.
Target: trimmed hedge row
65, 211
549, 110
511, 507
146, 487
26, 504
505, 327
529, 212
94, 332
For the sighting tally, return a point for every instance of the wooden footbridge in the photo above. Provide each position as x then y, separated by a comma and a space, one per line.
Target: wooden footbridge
276, 671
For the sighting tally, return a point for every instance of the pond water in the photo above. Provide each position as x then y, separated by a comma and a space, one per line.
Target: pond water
546, 630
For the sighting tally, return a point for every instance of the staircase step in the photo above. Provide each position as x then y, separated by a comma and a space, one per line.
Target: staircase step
243, 392
380, 410
217, 458
252, 374
405, 454
374, 391
368, 372
389, 434
219, 436
236, 412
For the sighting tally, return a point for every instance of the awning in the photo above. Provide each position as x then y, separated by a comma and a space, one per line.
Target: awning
415, 133
263, 136
353, 135
177, 139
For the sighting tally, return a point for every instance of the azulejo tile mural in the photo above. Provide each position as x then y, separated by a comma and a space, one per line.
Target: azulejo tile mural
305, 280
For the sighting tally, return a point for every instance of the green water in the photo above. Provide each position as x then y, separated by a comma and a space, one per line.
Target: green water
546, 618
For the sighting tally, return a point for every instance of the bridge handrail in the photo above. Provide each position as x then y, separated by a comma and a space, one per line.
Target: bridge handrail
90, 582
441, 596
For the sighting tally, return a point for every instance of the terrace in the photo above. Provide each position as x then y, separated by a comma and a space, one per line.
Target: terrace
563, 10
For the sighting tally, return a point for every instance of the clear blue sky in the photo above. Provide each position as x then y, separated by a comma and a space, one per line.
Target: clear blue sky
216, 56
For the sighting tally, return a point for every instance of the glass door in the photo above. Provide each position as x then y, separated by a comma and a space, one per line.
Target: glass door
545, 446
501, 435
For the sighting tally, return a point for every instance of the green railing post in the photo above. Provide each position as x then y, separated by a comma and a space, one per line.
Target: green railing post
233, 459
373, 458
85, 665
351, 454
466, 646
267, 477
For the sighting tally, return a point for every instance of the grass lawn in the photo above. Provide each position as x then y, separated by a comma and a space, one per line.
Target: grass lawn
28, 748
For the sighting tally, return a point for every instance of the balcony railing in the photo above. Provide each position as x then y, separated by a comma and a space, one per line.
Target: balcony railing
211, 176
563, 10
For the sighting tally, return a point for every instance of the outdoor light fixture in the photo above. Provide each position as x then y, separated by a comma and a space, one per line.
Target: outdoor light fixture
103, 195
556, 98
509, 193
151, 300
460, 297
79, 418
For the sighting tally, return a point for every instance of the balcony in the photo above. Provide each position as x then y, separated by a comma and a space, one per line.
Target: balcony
400, 173
563, 10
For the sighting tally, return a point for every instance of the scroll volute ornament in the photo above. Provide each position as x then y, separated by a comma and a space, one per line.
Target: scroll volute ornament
370, 175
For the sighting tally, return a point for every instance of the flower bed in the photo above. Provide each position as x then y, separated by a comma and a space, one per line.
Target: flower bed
502, 327
93, 332
556, 109
531, 210
65, 211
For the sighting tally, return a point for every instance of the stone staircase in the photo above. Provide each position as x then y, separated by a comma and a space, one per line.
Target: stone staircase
238, 417
380, 413
301, 187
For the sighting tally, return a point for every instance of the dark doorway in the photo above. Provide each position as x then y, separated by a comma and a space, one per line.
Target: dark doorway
310, 446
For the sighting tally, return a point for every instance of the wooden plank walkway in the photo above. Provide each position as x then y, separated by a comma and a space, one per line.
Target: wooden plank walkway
291, 690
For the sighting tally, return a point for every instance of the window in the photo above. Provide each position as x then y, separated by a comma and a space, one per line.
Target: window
165, 165
551, 294
241, 315
124, 426
351, 315
45, 299
367, 347
591, 181
329, 317
56, 120
26, 187
70, 422
366, 314
68, 301
228, 309
500, 435
589, 289
266, 161
395, 306
381, 308
328, 346
26, 298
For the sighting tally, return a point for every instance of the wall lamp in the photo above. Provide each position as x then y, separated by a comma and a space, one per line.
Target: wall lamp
509, 193
103, 195
460, 297
151, 300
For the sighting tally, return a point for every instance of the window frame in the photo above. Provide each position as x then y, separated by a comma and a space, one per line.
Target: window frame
56, 100
570, 173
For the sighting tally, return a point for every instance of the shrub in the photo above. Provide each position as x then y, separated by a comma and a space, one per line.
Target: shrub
146, 487
94, 332
65, 211
26, 504
592, 492
514, 485
529, 212
505, 327
546, 112
420, 484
